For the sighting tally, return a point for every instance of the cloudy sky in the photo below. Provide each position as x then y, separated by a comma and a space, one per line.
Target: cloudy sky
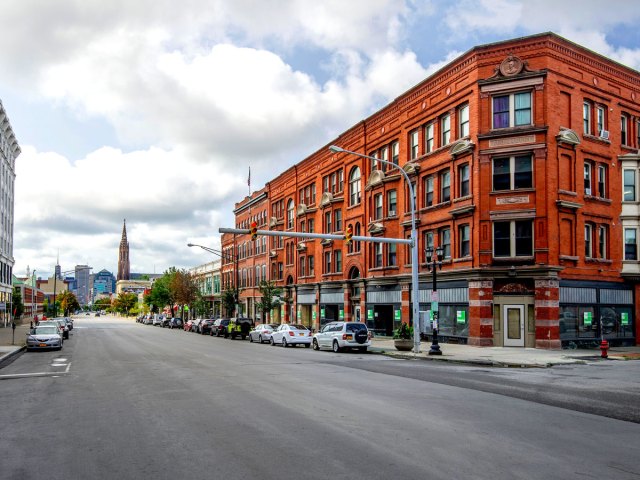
153, 110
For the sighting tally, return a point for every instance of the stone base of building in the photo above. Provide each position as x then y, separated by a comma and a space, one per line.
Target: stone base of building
480, 341
549, 344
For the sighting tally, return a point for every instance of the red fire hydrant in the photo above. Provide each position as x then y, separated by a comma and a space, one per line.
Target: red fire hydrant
604, 346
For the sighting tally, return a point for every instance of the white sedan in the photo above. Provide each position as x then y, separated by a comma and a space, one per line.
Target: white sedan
291, 334
262, 332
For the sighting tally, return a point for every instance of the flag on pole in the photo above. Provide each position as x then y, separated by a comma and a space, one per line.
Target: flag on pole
249, 178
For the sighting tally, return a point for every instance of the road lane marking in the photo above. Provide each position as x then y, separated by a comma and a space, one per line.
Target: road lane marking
33, 375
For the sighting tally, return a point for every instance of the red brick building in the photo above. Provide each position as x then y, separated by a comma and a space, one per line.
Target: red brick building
525, 159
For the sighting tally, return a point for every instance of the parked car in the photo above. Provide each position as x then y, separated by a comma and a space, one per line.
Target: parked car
44, 338
157, 320
219, 327
148, 320
175, 322
238, 327
69, 322
291, 335
190, 325
64, 331
262, 332
340, 336
204, 327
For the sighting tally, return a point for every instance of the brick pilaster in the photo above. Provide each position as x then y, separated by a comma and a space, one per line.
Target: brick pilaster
547, 314
481, 313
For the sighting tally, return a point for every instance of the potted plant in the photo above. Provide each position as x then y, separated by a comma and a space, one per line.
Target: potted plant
403, 337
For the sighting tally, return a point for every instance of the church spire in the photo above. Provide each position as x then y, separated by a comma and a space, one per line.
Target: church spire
123, 257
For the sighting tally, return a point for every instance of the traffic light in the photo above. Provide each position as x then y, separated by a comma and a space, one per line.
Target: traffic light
254, 230
348, 235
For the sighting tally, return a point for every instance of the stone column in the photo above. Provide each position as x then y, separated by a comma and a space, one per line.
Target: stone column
547, 313
348, 314
405, 306
481, 313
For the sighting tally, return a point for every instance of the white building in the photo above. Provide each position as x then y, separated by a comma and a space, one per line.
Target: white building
9, 151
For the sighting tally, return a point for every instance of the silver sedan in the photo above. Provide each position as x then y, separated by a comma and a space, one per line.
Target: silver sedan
262, 332
291, 335
44, 338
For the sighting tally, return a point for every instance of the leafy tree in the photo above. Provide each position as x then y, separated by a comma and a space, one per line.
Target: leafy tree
125, 302
16, 299
68, 302
161, 294
183, 288
228, 299
270, 298
102, 304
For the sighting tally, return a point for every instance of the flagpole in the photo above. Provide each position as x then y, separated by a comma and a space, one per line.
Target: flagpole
249, 180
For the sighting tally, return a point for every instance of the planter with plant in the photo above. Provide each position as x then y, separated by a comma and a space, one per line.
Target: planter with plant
403, 338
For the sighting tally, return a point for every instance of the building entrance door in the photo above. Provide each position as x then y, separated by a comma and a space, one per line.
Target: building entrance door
513, 325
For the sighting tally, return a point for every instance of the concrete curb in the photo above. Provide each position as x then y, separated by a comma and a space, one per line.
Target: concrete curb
9, 357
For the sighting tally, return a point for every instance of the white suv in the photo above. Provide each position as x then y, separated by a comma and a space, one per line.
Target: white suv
340, 336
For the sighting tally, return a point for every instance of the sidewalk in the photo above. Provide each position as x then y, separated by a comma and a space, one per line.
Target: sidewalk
7, 350
506, 356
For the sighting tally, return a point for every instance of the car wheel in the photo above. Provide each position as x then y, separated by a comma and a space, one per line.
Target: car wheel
336, 347
260, 339
315, 344
250, 339
284, 342
273, 343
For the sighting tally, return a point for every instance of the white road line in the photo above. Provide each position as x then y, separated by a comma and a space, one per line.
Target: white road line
38, 374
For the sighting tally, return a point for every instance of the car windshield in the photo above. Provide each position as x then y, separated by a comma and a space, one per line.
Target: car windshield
299, 327
356, 327
272, 326
46, 330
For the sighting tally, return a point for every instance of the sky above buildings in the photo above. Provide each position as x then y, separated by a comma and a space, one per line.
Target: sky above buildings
153, 110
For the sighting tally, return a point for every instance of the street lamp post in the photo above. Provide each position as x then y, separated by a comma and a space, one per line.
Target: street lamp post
414, 244
434, 261
226, 256
33, 281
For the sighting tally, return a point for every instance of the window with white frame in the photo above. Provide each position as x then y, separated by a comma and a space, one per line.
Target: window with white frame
290, 214
588, 239
428, 191
513, 239
512, 110
337, 217
414, 144
445, 130
464, 241
384, 155
428, 244
445, 242
377, 254
311, 265
429, 138
602, 181
377, 206
354, 186
512, 173
600, 120
629, 179
463, 121
327, 262
445, 186
337, 263
588, 171
630, 244
303, 266
624, 126
392, 203
392, 255
586, 118
327, 222
395, 153
602, 241
463, 178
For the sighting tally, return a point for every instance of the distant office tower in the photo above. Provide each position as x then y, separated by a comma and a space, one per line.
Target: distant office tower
82, 283
9, 151
123, 259
104, 283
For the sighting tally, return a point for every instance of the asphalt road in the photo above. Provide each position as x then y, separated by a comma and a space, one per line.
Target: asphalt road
128, 401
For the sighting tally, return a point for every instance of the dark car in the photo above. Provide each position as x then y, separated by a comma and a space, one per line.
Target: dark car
205, 325
175, 322
219, 327
239, 327
165, 322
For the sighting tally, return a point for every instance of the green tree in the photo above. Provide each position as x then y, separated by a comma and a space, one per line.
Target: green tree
270, 298
161, 294
16, 299
228, 299
68, 302
125, 302
102, 304
183, 288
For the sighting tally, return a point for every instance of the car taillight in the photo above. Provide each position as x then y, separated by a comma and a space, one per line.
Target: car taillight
291, 334
347, 336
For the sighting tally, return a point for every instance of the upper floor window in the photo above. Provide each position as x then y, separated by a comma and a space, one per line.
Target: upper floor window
588, 177
310, 261
354, 186
327, 262
392, 257
445, 129
630, 244
395, 153
327, 222
624, 126
512, 173
600, 120
310, 224
513, 238
629, 179
377, 254
303, 266
428, 244
463, 120
377, 206
384, 155
464, 241
602, 181
588, 238
290, 214
586, 118
429, 138
602, 241
512, 110
445, 186
337, 216
392, 203
445, 242
463, 176
337, 255
428, 191
414, 144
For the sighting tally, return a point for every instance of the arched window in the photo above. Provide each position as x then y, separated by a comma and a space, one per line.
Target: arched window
290, 214
354, 187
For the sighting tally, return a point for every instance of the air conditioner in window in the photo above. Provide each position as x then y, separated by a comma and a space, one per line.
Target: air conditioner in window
604, 134
392, 213
587, 191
